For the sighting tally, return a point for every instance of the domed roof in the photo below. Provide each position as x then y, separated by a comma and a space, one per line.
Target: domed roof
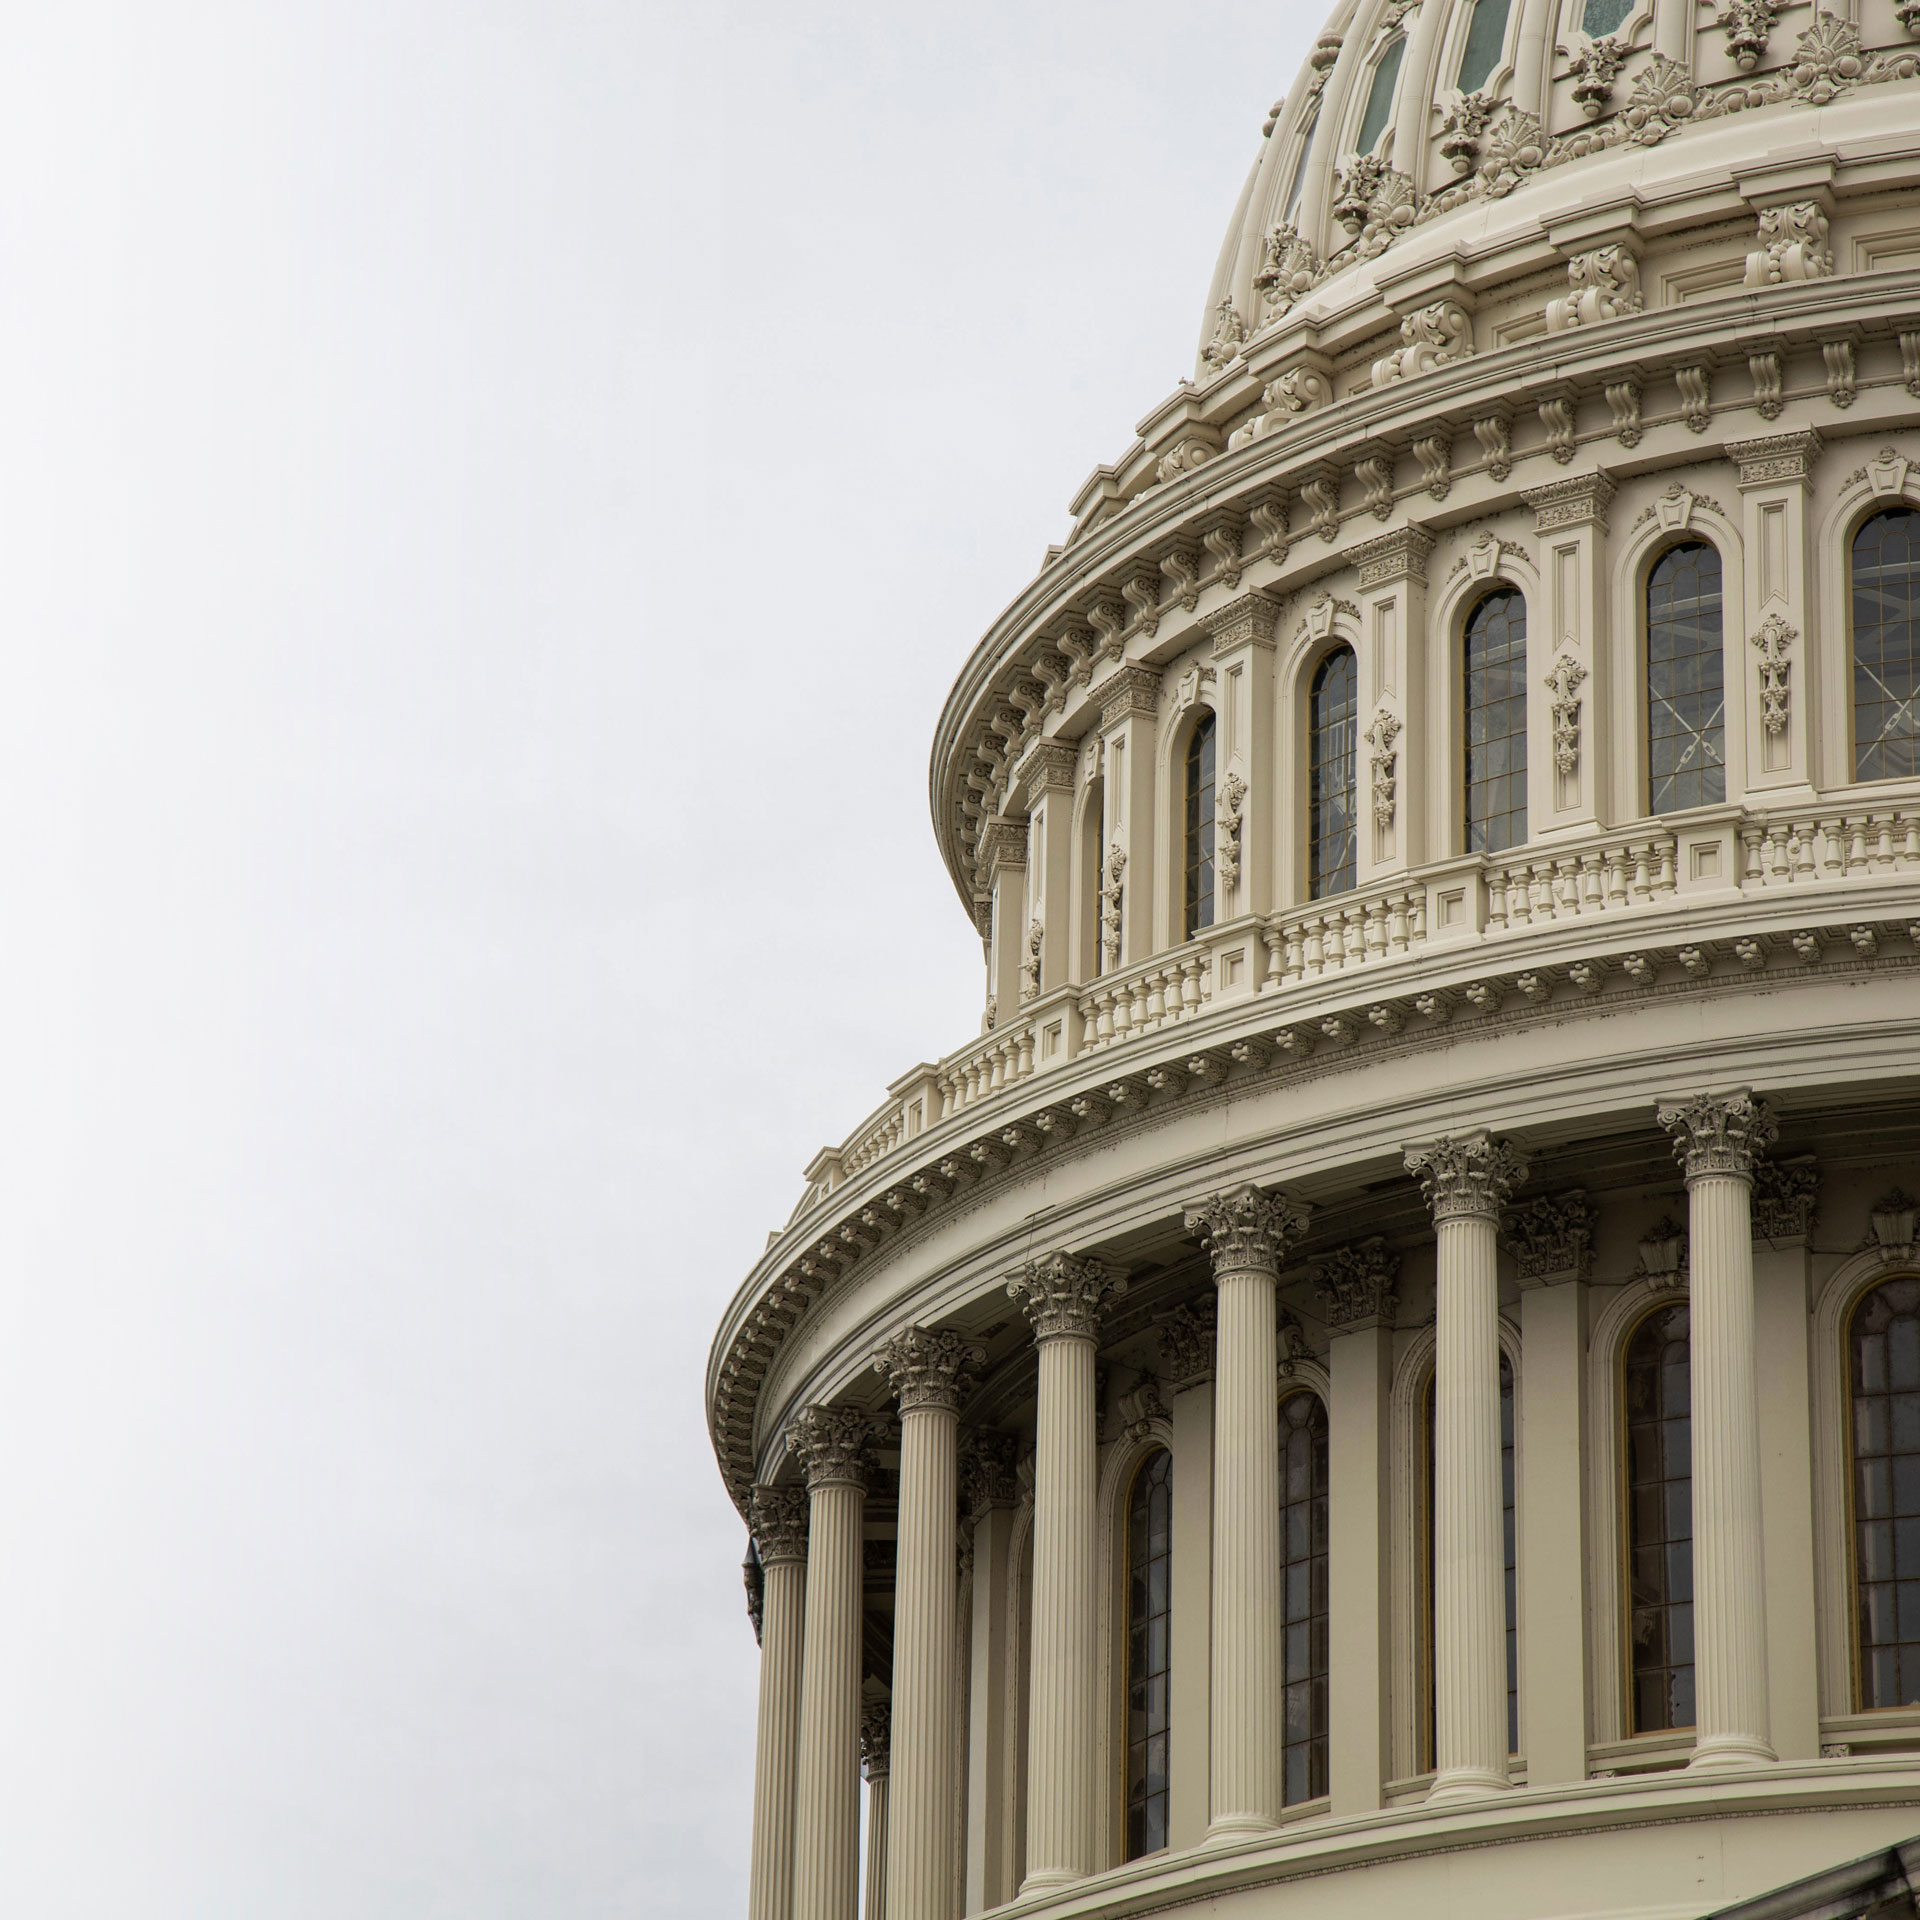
1420, 130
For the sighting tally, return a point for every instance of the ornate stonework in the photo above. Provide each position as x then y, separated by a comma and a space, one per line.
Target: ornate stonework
1359, 1285
1186, 1341
1245, 1228
1786, 1194
778, 1517
1552, 1237
989, 1464
928, 1368
1467, 1176
1064, 1295
834, 1445
876, 1732
1718, 1133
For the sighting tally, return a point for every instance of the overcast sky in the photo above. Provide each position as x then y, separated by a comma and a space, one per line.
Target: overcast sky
494, 495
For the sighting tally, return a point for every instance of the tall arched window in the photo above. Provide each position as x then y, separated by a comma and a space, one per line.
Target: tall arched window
1386, 75
1495, 723
1886, 646
1884, 1377
1686, 695
1303, 1573
1333, 723
1149, 1620
1200, 826
1598, 18
1657, 1395
1300, 167
1510, 1535
1093, 861
1486, 37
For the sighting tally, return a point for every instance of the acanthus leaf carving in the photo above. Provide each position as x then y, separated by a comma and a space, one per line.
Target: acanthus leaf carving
1227, 823
1467, 1175
1603, 284
1064, 1294
1291, 268
1773, 642
778, 1518
1432, 336
1718, 1133
1785, 1196
1552, 1237
1793, 245
1563, 686
1243, 1228
1593, 66
1358, 1284
1383, 760
1229, 336
833, 1444
1186, 1340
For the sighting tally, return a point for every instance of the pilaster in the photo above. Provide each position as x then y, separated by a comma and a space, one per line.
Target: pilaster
1568, 658
1391, 579
1130, 729
1774, 711
1046, 777
1243, 651
988, 1490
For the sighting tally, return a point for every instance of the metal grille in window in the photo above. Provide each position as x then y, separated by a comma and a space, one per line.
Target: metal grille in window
1509, 1534
1149, 1619
1303, 1564
1886, 646
1496, 723
1200, 827
1885, 1370
1658, 1393
1333, 727
1686, 695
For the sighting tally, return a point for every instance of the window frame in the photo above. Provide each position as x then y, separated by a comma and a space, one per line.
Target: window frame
1853, 526
1204, 726
1732, 686
1313, 668
1295, 1390
1855, 1646
1149, 1456
1487, 592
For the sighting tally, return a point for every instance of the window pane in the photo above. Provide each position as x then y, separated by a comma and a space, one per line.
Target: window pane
1200, 827
1886, 646
1495, 652
1601, 17
1686, 699
1149, 1634
1884, 1358
1300, 166
1485, 37
1660, 1521
1380, 98
1303, 1572
1334, 724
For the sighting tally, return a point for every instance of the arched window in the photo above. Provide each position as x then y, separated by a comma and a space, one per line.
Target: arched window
1686, 697
1598, 18
1200, 827
1093, 862
1886, 646
1386, 74
1300, 167
1884, 1377
1495, 653
1149, 1620
1486, 36
1333, 723
1510, 1534
1657, 1397
1303, 1573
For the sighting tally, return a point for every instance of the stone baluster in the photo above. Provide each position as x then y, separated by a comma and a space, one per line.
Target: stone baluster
1467, 1178
1717, 1138
1246, 1232
779, 1518
874, 1729
832, 1444
924, 1369
1063, 1295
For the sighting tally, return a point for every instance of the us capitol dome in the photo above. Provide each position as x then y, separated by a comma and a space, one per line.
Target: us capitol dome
1386, 1379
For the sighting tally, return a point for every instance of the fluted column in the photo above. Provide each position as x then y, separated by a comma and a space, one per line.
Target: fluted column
779, 1516
875, 1725
1467, 1178
1246, 1232
1063, 1296
1717, 1138
925, 1371
832, 1442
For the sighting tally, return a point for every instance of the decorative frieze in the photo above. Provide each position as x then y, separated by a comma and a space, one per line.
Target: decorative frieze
1399, 555
1552, 1238
1785, 1196
1290, 269
1248, 621
778, 1517
1773, 642
1718, 1133
926, 1367
1592, 67
1186, 1341
1064, 1294
834, 1445
1131, 691
1359, 1285
1776, 458
1467, 1176
1245, 1227
1579, 502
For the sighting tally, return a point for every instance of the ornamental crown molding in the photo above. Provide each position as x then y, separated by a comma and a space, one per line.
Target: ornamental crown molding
989, 1471
1360, 1285
1552, 1238
876, 1730
1003, 843
1718, 1134
1245, 1230
834, 1445
1249, 620
1579, 502
1467, 1176
929, 1369
1130, 691
1063, 1294
1777, 457
1786, 1195
778, 1517
1399, 555
1047, 766
1186, 1341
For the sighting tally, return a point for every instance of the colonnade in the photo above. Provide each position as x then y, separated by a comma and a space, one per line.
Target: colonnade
806, 1811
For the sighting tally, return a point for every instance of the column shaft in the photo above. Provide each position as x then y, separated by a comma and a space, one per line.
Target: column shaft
1730, 1609
988, 1842
1246, 1559
878, 1853
770, 1884
1189, 1738
827, 1810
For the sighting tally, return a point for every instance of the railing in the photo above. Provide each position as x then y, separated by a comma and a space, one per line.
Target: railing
1451, 909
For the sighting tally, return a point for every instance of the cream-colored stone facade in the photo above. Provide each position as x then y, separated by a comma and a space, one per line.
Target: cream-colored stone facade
1550, 383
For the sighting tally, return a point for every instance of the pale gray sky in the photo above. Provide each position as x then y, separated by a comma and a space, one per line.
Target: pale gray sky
493, 498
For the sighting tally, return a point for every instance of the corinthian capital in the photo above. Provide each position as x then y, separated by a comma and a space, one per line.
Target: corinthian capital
832, 1444
1467, 1176
989, 1474
924, 1368
779, 1519
1064, 1293
1359, 1285
1244, 1228
876, 1729
1718, 1132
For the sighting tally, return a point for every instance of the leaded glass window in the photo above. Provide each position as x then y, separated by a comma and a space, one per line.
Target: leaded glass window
1149, 1623
1333, 723
1486, 36
1686, 692
1386, 74
1884, 1362
1658, 1395
1495, 651
1886, 646
1303, 1573
1200, 827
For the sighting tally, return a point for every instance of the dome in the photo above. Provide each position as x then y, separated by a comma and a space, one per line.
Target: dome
1386, 1374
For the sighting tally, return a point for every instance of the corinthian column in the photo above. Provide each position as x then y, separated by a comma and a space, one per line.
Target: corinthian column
1246, 1231
874, 1724
779, 1517
924, 1369
832, 1443
1063, 1296
1467, 1178
1717, 1139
